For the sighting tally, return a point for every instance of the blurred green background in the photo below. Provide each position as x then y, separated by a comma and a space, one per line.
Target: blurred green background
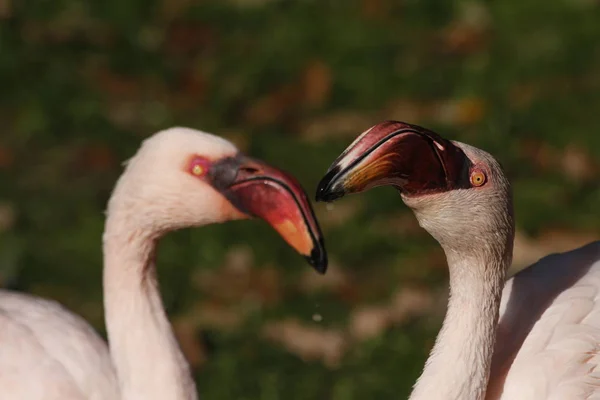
292, 82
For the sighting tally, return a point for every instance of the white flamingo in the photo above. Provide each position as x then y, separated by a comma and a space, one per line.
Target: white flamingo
180, 177
535, 336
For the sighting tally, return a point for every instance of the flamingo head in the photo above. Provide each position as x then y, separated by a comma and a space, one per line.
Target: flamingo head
182, 177
459, 193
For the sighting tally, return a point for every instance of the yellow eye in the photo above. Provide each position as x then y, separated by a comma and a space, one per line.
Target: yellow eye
478, 178
197, 170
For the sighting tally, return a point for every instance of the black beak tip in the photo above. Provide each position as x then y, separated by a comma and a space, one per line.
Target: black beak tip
318, 258
326, 191
329, 196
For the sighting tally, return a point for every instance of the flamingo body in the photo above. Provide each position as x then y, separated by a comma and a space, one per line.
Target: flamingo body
60, 353
548, 338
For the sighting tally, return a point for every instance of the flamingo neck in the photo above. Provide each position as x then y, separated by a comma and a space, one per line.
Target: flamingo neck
459, 364
145, 353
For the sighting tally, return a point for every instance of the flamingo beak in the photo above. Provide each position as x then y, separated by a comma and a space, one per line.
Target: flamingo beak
413, 159
257, 189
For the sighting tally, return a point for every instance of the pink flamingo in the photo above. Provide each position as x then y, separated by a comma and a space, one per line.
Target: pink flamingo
533, 336
179, 178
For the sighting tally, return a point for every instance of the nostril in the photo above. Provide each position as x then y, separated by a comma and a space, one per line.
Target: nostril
249, 170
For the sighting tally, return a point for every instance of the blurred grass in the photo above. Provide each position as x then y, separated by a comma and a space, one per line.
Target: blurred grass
292, 82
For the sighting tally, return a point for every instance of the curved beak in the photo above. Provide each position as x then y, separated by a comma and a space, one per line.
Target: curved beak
259, 190
411, 158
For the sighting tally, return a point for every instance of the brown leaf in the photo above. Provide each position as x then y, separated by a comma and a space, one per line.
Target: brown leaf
345, 124
470, 111
171, 9
334, 279
72, 22
249, 3
241, 140
317, 83
399, 223
435, 259
560, 240
308, 343
5, 9
8, 216
574, 161
469, 33
404, 109
239, 260
539, 153
230, 283
113, 84
123, 113
528, 250
336, 214
577, 164
422, 264
96, 157
187, 38
350, 293
236, 282
522, 95
189, 341
375, 9
190, 92
217, 316
525, 251
274, 106
409, 302
463, 40
266, 286
465, 111
7, 157
367, 322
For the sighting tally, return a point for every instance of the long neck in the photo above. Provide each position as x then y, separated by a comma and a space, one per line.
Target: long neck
459, 364
146, 355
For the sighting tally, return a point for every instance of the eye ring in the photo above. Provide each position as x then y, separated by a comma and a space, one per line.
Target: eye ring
198, 166
478, 178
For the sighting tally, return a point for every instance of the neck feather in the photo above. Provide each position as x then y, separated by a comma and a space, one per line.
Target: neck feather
146, 355
459, 364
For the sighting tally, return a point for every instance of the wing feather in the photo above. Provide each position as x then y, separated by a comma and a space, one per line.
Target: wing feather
548, 344
49, 353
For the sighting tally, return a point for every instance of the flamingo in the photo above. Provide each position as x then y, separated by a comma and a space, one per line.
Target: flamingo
535, 335
180, 177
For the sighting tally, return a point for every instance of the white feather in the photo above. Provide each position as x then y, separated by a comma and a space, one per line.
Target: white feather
47, 352
548, 338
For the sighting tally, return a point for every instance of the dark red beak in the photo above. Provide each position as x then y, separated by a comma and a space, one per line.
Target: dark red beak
408, 157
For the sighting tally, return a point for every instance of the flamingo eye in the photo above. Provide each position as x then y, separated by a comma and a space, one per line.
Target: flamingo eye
198, 166
478, 178
197, 170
